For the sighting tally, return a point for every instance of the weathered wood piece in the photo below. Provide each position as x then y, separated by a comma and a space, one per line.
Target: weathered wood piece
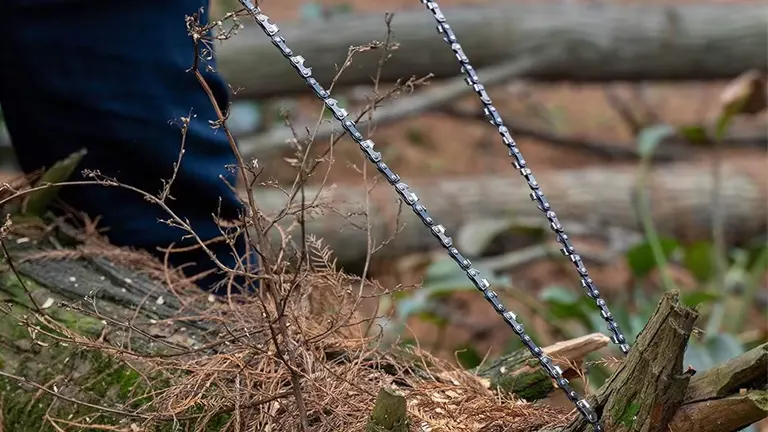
519, 373
573, 42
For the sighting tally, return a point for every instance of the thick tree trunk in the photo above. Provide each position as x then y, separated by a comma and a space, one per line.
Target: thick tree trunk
566, 41
680, 201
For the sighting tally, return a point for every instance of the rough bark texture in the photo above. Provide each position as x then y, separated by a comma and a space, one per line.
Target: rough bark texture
649, 386
567, 41
728, 397
728, 414
680, 196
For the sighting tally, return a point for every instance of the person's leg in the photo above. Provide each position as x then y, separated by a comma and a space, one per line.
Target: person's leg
112, 77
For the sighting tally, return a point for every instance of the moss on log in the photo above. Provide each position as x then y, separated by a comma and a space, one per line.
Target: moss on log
41, 309
519, 374
389, 413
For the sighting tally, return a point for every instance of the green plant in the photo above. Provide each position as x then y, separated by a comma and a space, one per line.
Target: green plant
442, 278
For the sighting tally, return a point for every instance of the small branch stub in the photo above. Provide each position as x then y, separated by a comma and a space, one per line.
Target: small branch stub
389, 413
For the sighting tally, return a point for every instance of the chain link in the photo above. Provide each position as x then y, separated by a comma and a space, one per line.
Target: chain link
410, 198
519, 163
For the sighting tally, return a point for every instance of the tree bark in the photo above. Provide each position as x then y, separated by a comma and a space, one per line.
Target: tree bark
649, 386
565, 41
680, 201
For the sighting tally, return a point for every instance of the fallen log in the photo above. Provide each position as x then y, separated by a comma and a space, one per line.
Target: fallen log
571, 42
680, 201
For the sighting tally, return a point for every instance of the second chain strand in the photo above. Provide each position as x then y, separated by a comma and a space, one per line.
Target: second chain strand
519, 163
411, 200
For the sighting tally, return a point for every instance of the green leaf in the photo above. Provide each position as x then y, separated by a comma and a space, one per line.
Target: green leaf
468, 357
564, 304
475, 236
38, 201
695, 134
650, 137
723, 122
433, 318
559, 295
444, 276
698, 259
695, 298
641, 260
311, 12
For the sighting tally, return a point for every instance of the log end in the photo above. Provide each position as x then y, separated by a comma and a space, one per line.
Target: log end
389, 413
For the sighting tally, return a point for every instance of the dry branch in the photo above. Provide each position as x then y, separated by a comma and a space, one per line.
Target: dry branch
680, 196
728, 414
733, 393
268, 145
565, 41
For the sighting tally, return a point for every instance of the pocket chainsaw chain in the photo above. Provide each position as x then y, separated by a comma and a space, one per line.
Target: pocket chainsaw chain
412, 200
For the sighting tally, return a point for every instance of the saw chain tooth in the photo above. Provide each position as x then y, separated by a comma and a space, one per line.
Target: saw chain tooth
469, 71
298, 64
474, 275
484, 97
439, 232
447, 32
352, 130
339, 113
459, 258
405, 193
493, 116
268, 28
591, 289
459, 52
371, 154
421, 212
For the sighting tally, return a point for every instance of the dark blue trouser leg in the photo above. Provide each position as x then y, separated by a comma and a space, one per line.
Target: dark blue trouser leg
111, 77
